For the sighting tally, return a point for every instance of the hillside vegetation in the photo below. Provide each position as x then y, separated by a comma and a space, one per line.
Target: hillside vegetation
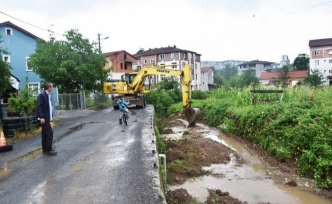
296, 128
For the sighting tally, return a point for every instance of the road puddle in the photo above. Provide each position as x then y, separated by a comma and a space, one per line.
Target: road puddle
251, 182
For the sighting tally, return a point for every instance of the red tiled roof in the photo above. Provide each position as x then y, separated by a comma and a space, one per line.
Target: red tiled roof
320, 42
291, 74
8, 23
117, 52
206, 69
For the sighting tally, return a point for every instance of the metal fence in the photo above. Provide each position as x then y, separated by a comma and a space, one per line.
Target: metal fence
76, 101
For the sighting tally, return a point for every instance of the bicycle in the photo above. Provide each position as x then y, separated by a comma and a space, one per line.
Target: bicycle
125, 116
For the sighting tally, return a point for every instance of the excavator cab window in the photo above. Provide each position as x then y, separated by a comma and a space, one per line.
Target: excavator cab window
131, 77
125, 78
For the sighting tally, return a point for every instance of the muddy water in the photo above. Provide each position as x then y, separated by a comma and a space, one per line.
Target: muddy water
250, 182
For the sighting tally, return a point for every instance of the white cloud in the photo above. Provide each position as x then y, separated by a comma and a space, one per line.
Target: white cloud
217, 29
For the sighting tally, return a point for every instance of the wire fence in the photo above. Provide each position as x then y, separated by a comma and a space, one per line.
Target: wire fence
76, 101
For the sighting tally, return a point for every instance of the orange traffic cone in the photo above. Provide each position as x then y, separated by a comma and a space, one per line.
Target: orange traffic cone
2, 139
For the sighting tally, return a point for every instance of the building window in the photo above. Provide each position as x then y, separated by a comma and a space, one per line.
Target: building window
125, 56
173, 55
162, 56
27, 68
145, 61
330, 71
183, 55
139, 68
125, 66
330, 61
316, 53
174, 65
34, 87
6, 58
151, 61
121, 65
316, 62
9, 31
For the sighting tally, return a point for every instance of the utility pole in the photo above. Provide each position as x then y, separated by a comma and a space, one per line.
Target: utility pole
99, 42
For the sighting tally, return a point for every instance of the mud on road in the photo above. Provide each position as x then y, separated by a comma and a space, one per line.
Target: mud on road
187, 157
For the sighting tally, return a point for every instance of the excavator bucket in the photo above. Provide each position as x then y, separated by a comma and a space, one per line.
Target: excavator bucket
192, 115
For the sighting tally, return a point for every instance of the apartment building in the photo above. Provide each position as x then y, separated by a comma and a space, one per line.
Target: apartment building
321, 58
207, 78
259, 66
173, 57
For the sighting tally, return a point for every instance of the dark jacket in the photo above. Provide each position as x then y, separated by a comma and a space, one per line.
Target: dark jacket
43, 107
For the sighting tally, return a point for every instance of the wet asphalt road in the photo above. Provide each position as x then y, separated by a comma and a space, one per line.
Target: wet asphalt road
98, 161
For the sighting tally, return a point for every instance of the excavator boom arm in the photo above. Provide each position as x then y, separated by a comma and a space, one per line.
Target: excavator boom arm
185, 75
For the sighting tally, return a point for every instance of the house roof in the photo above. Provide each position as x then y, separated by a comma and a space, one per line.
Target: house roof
117, 52
320, 42
291, 74
255, 62
206, 69
161, 50
8, 23
15, 77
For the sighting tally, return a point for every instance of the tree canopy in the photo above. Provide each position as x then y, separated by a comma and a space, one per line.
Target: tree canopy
314, 79
4, 70
283, 74
228, 71
301, 62
71, 65
248, 77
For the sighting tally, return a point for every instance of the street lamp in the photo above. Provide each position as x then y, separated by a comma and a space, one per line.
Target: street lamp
99, 41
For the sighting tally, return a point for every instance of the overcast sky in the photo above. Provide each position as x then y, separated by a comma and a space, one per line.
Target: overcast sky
217, 29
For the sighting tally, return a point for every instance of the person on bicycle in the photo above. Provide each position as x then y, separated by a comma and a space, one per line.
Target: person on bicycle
122, 107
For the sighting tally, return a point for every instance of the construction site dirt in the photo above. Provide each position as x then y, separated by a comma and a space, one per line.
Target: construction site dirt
205, 165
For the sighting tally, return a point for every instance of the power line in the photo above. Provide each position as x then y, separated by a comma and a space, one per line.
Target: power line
48, 30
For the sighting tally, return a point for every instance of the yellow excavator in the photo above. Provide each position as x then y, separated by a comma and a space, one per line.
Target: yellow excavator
134, 85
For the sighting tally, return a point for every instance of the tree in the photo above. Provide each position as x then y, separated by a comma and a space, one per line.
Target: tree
228, 71
314, 79
4, 70
71, 65
235, 81
283, 74
301, 62
248, 77
217, 78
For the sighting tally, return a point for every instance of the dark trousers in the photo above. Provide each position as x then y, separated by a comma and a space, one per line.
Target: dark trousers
47, 136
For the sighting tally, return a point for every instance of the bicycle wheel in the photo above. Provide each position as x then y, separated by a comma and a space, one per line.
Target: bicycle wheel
125, 120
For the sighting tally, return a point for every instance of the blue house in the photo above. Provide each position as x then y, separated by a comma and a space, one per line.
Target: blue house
20, 44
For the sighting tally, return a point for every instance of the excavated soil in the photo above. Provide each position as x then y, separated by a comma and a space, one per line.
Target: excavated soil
187, 156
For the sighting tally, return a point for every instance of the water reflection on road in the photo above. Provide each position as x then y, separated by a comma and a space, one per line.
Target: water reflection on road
250, 182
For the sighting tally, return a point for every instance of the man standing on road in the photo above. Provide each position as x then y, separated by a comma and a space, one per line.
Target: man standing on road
44, 113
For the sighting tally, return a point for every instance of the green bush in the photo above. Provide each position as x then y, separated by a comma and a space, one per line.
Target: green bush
198, 94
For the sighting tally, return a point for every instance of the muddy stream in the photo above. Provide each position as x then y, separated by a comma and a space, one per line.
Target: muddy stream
251, 182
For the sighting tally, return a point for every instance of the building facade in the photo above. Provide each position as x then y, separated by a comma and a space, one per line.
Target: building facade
20, 44
321, 58
284, 61
271, 78
207, 78
172, 57
120, 62
259, 66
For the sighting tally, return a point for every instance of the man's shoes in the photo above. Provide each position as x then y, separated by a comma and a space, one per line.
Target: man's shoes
51, 153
